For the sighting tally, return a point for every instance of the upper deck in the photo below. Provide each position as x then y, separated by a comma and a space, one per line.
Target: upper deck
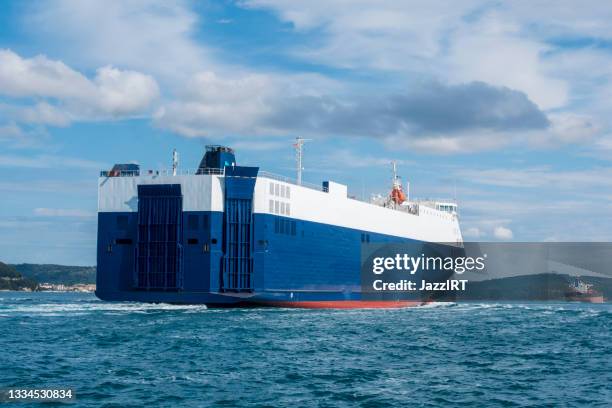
443, 208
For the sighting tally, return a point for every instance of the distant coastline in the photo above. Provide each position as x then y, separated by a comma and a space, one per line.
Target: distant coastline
47, 277
66, 278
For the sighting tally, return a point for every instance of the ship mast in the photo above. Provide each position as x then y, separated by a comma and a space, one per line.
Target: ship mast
396, 180
299, 152
174, 161
397, 196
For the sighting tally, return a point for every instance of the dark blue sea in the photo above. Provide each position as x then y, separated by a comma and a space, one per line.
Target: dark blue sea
132, 354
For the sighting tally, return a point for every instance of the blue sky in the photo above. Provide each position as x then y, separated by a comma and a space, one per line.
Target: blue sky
505, 105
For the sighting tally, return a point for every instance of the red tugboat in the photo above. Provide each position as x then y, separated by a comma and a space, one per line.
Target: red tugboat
579, 291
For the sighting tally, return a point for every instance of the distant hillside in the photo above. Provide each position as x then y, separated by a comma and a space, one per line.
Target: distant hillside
545, 286
11, 279
58, 274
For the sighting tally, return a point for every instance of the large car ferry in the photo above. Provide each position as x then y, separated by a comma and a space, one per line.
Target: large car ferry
229, 235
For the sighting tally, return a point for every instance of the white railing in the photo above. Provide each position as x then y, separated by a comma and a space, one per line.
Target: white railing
161, 172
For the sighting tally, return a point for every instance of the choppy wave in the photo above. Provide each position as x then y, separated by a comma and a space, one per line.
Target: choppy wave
32, 306
451, 354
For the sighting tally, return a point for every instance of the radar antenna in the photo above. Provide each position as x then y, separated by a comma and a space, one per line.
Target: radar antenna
299, 152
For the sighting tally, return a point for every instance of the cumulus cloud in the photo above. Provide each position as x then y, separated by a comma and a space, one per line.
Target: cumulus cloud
495, 51
503, 233
473, 233
552, 51
471, 76
504, 44
67, 94
211, 104
258, 104
430, 108
42, 113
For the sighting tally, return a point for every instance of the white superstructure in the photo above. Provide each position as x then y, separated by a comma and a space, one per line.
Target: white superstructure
330, 204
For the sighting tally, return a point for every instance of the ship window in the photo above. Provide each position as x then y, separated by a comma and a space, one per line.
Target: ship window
367, 238
272, 188
288, 192
362, 237
292, 227
271, 206
123, 241
282, 208
282, 191
282, 226
276, 189
192, 241
205, 221
276, 204
122, 222
287, 209
213, 241
192, 222
276, 226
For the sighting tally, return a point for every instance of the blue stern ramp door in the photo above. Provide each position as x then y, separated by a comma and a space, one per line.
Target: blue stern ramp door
159, 253
238, 229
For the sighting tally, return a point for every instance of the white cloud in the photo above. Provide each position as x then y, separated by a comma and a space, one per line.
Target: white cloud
376, 34
62, 212
42, 113
495, 52
40, 77
473, 233
152, 36
124, 92
503, 233
573, 128
504, 45
564, 18
425, 118
210, 103
111, 93
507, 44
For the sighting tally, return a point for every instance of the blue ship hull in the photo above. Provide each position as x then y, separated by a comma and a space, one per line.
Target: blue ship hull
234, 257
295, 263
